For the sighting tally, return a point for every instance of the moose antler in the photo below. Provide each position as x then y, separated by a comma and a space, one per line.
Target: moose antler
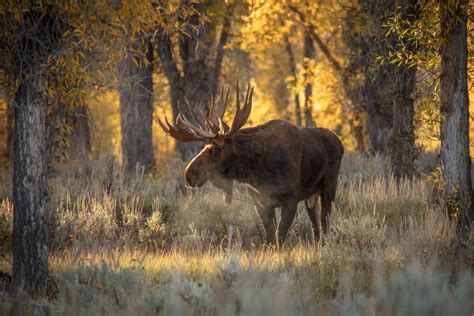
213, 126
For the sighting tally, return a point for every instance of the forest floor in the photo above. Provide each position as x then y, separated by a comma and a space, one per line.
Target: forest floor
136, 245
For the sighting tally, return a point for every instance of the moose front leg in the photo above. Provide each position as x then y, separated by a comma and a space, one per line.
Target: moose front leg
288, 212
267, 215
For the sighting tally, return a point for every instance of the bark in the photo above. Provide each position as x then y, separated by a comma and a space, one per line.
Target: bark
294, 74
6, 126
308, 91
136, 107
378, 122
456, 162
402, 147
81, 134
10, 130
30, 189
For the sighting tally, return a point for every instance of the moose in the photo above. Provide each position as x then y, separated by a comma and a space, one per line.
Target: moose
280, 163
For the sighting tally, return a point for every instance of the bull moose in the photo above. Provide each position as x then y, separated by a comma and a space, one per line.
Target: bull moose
280, 163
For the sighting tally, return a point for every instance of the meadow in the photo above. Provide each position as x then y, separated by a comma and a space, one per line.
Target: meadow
143, 245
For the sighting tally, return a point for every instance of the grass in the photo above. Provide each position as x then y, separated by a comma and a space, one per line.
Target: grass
139, 245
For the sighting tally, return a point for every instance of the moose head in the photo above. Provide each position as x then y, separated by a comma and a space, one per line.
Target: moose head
216, 135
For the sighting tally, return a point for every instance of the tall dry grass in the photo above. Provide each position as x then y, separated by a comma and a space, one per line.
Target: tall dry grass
139, 245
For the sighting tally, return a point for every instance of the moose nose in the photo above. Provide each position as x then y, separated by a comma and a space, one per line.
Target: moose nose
192, 178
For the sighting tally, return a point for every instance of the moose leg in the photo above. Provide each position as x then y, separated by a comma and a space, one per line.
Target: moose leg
267, 215
325, 212
288, 212
328, 195
314, 215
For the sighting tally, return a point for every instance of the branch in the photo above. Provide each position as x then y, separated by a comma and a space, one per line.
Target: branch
165, 54
312, 31
291, 58
222, 41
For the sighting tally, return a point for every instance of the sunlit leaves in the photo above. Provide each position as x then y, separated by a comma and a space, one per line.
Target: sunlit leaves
92, 37
269, 29
418, 40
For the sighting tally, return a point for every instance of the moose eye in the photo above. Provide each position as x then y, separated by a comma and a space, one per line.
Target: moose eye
216, 151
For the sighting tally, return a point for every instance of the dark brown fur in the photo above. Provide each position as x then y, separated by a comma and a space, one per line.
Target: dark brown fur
282, 165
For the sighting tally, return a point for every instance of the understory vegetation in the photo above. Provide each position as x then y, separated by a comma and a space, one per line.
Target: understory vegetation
144, 245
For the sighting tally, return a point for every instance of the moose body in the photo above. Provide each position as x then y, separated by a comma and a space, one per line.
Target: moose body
280, 163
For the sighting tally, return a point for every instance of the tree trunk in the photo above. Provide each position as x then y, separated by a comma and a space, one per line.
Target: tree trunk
30, 189
136, 107
377, 100
308, 91
10, 131
30, 186
374, 95
456, 162
402, 147
379, 128
403, 84
294, 74
81, 134
58, 132
357, 132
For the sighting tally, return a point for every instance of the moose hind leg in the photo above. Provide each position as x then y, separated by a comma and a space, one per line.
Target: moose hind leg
328, 196
267, 215
326, 202
314, 215
288, 212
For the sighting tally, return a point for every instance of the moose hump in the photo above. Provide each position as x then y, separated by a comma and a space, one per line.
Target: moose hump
266, 152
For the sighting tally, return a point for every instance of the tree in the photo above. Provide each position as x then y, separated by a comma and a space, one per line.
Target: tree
310, 37
308, 90
50, 55
454, 111
193, 73
68, 133
380, 86
30, 187
294, 78
365, 80
403, 85
8, 118
136, 105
